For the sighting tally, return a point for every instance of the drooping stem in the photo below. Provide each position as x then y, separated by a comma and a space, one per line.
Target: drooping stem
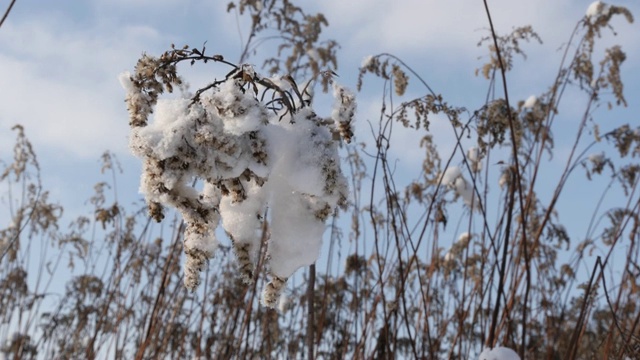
311, 311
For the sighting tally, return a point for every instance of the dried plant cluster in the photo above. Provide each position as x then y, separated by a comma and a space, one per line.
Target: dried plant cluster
301, 50
469, 254
253, 142
505, 280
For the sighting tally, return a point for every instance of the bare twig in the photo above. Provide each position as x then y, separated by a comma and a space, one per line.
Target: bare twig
6, 13
518, 180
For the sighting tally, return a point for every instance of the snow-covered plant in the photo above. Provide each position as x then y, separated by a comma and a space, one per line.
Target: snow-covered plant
453, 179
259, 151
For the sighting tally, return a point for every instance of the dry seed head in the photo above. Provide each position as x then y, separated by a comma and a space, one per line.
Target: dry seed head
242, 252
400, 80
273, 290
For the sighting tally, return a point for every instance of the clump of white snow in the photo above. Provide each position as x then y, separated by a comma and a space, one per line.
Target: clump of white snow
530, 102
498, 353
344, 110
238, 109
474, 157
367, 61
283, 303
449, 257
464, 238
473, 154
450, 175
452, 178
465, 190
457, 248
597, 9
596, 159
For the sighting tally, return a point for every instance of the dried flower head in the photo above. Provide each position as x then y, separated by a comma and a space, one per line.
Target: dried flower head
247, 158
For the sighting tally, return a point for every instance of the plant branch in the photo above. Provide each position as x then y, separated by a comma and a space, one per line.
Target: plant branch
6, 13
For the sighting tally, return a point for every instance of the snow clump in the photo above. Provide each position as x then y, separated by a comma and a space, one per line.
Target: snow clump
248, 156
367, 61
498, 353
597, 9
530, 102
452, 178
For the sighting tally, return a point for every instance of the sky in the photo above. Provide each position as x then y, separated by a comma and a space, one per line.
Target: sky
60, 61
59, 66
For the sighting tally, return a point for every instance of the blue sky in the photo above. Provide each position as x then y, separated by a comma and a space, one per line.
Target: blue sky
59, 63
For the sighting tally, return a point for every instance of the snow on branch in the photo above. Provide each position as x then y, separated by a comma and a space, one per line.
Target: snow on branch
254, 143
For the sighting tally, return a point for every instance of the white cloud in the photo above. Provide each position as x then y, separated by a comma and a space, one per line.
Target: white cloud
63, 75
446, 32
61, 83
63, 115
59, 73
59, 68
420, 26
